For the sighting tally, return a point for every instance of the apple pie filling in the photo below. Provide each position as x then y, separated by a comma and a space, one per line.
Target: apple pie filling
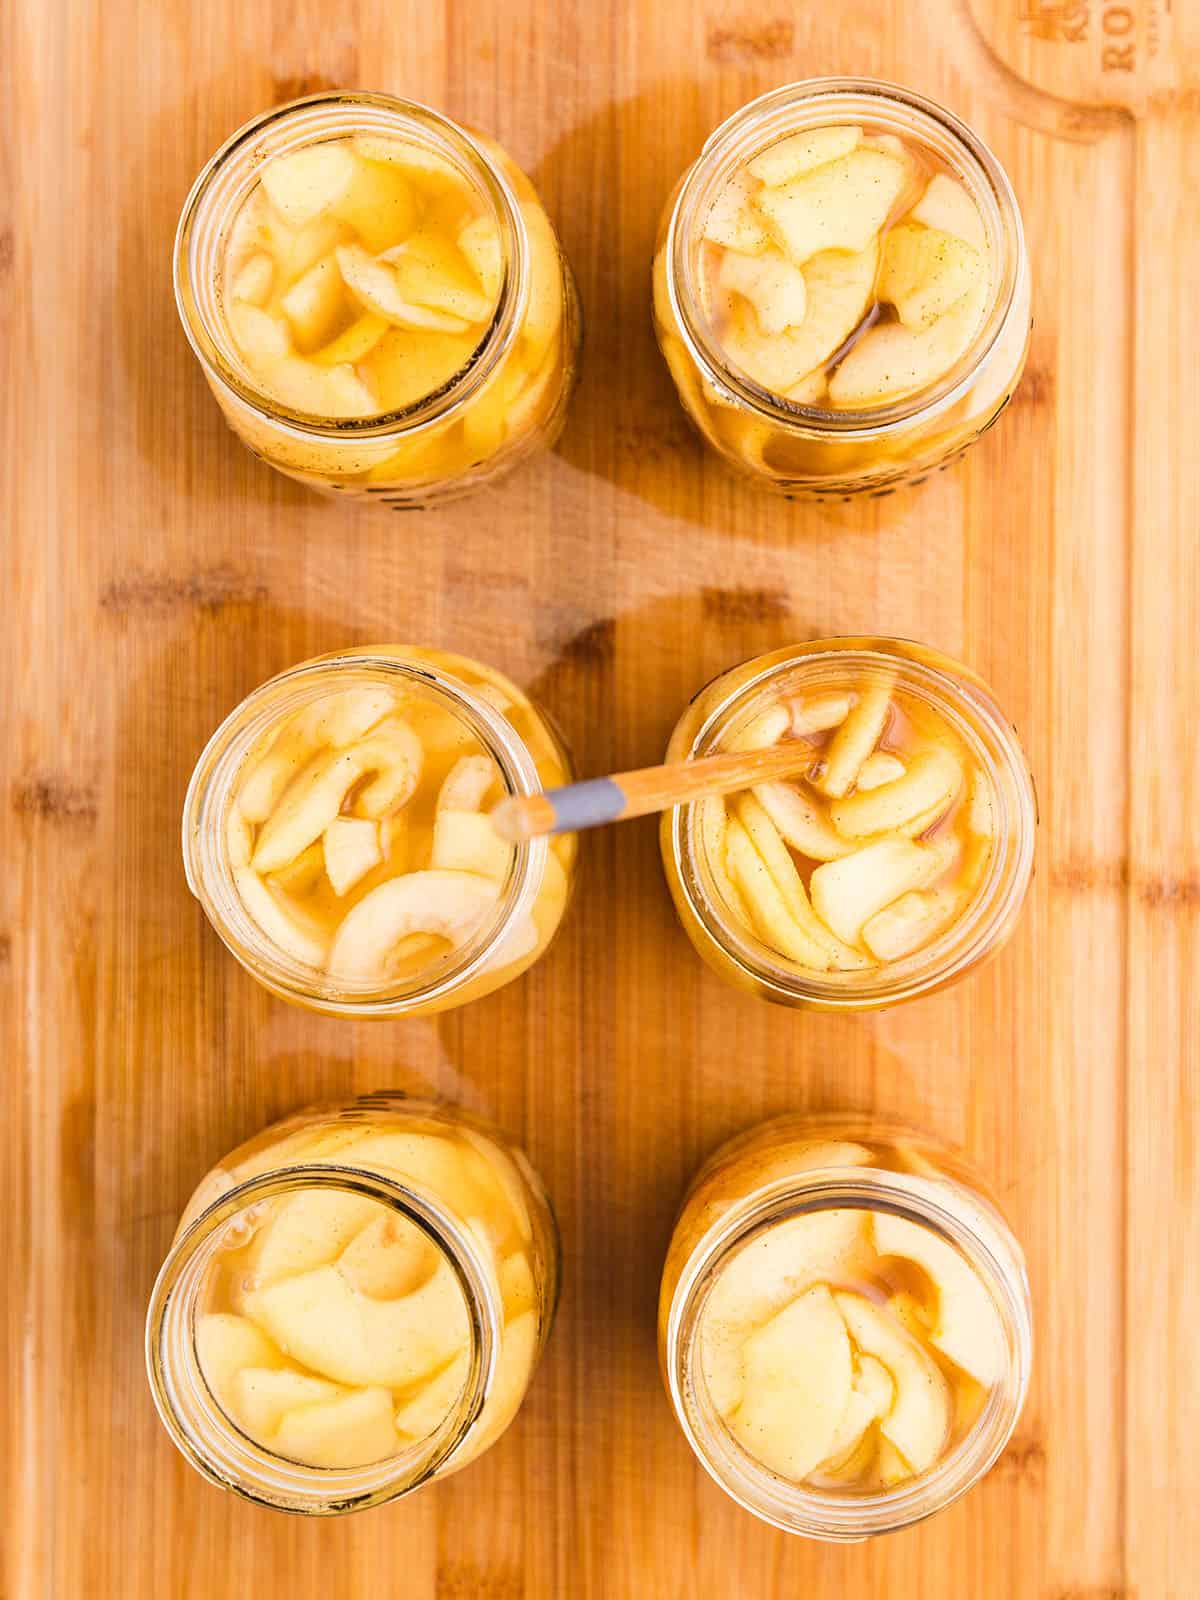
357, 839
849, 1349
874, 850
844, 267
335, 1332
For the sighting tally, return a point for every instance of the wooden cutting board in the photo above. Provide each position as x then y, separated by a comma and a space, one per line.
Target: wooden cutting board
153, 572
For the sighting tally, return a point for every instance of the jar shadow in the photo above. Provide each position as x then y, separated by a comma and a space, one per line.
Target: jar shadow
177, 426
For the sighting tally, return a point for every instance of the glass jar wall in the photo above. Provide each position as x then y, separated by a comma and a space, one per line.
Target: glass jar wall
377, 298
335, 832
898, 858
841, 288
844, 1325
354, 1303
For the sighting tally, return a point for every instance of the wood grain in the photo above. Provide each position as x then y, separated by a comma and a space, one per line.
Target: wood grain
152, 572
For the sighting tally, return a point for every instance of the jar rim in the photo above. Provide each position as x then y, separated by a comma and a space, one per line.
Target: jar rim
724, 148
210, 792
388, 113
186, 1404
992, 1251
949, 685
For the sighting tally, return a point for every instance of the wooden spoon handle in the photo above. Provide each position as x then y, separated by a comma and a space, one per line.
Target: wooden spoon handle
634, 794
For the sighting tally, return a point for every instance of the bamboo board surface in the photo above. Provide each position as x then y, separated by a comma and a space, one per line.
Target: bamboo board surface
152, 572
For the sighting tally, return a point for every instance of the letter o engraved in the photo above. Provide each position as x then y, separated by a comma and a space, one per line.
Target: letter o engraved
1117, 20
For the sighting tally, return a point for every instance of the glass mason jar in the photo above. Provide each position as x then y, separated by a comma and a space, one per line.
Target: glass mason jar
354, 1303
492, 395
972, 862
802, 446
395, 897
805, 1235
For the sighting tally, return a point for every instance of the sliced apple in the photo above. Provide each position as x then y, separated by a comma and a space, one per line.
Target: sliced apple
810, 391
769, 843
732, 222
393, 753
838, 290
442, 734
351, 849
891, 361
355, 343
765, 910
925, 272
947, 206
303, 185
352, 1431
378, 204
800, 821
409, 364
466, 841
552, 897
452, 905
784, 1261
712, 826
260, 336
297, 249
891, 1466
518, 1352
817, 713
261, 1396
446, 1170
376, 285
226, 1343
419, 1414
300, 875
909, 1312
488, 420
838, 206
315, 304
254, 278
797, 1387
532, 399
544, 311
871, 1395
848, 893
319, 1319
932, 779
856, 738
389, 1258
880, 768
295, 932
801, 152
918, 1423
420, 159
342, 719
518, 1291
981, 819
466, 785
479, 243
775, 895
762, 731
307, 1230
431, 272
306, 810
502, 1173
772, 285
239, 838
910, 923
967, 1325
319, 391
